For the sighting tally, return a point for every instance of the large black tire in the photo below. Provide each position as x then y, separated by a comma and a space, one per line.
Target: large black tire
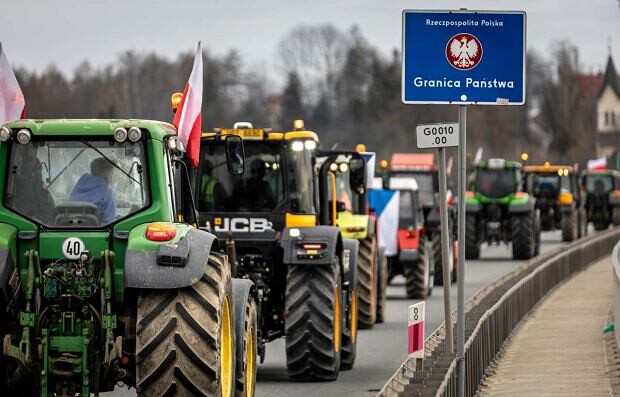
600, 225
569, 226
349, 335
547, 222
583, 223
185, 337
247, 345
367, 282
418, 282
523, 236
314, 321
472, 245
382, 282
615, 216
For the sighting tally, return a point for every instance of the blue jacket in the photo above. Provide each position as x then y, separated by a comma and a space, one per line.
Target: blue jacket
92, 189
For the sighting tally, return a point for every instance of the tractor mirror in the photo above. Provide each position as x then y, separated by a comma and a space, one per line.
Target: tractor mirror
357, 174
235, 155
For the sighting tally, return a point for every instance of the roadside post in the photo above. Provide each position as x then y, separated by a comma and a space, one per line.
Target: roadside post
415, 334
463, 57
440, 136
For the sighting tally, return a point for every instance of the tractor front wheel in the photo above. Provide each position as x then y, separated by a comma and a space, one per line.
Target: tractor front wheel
569, 226
523, 236
472, 245
367, 282
185, 337
418, 281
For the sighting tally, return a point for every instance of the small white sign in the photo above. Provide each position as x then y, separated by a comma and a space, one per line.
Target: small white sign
415, 331
73, 247
438, 135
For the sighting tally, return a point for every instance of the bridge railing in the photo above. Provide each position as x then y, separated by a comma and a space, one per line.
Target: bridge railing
494, 313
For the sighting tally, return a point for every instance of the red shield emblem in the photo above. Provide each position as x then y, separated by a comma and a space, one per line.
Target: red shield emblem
464, 51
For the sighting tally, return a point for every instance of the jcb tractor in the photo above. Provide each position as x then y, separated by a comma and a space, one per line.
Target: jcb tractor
303, 272
423, 168
602, 197
101, 280
339, 171
498, 211
556, 189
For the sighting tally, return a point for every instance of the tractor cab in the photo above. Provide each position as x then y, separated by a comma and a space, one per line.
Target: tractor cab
602, 197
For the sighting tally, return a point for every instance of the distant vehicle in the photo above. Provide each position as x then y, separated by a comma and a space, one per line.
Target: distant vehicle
602, 197
558, 198
498, 211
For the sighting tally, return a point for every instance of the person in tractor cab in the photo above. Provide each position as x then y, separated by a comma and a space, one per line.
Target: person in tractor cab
212, 192
94, 188
255, 193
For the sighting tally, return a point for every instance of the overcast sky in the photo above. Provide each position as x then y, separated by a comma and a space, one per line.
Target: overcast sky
36, 33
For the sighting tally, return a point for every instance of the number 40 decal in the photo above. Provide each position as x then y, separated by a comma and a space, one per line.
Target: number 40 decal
73, 247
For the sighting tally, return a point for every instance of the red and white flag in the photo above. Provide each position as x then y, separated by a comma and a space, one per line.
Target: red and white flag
12, 103
188, 118
597, 164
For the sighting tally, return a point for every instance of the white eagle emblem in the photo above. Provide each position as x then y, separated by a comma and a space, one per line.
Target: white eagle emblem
464, 51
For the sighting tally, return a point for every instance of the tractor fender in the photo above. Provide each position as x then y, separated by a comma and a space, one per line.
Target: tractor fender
409, 256
143, 271
242, 289
350, 268
528, 206
328, 235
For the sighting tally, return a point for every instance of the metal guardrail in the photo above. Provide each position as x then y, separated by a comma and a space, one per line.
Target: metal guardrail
494, 313
615, 260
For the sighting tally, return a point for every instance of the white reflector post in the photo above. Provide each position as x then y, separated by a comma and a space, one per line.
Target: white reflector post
416, 331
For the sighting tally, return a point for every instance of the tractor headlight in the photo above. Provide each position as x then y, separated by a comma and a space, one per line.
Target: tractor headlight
134, 134
120, 134
5, 134
310, 145
333, 167
23, 136
297, 146
344, 167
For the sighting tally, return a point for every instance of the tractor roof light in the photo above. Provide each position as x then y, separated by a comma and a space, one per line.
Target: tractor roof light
360, 148
310, 145
5, 134
524, 156
496, 164
134, 134
383, 164
120, 134
298, 125
175, 101
297, 146
23, 136
547, 164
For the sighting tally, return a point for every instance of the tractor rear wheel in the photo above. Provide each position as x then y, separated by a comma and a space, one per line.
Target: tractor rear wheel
472, 245
382, 282
349, 334
418, 281
437, 258
523, 236
245, 383
569, 226
367, 282
185, 337
314, 321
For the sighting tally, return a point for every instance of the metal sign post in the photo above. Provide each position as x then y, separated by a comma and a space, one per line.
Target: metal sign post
440, 136
460, 294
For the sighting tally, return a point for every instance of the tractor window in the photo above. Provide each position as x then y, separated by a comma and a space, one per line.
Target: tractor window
77, 183
495, 183
426, 185
407, 206
300, 177
259, 189
599, 183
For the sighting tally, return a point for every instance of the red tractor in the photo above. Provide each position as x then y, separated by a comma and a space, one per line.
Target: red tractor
423, 168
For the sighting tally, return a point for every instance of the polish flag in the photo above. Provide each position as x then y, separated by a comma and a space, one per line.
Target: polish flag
12, 103
597, 164
188, 117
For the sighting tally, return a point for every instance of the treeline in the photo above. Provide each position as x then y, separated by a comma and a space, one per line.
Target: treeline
344, 87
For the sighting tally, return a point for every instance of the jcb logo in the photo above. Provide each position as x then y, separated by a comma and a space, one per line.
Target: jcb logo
257, 225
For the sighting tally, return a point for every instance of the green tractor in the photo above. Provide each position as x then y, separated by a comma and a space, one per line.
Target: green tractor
102, 281
345, 172
602, 193
498, 211
303, 272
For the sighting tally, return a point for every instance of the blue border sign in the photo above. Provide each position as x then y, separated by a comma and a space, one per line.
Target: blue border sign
464, 57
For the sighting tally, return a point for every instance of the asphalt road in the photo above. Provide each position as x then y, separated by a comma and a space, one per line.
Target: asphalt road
382, 349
